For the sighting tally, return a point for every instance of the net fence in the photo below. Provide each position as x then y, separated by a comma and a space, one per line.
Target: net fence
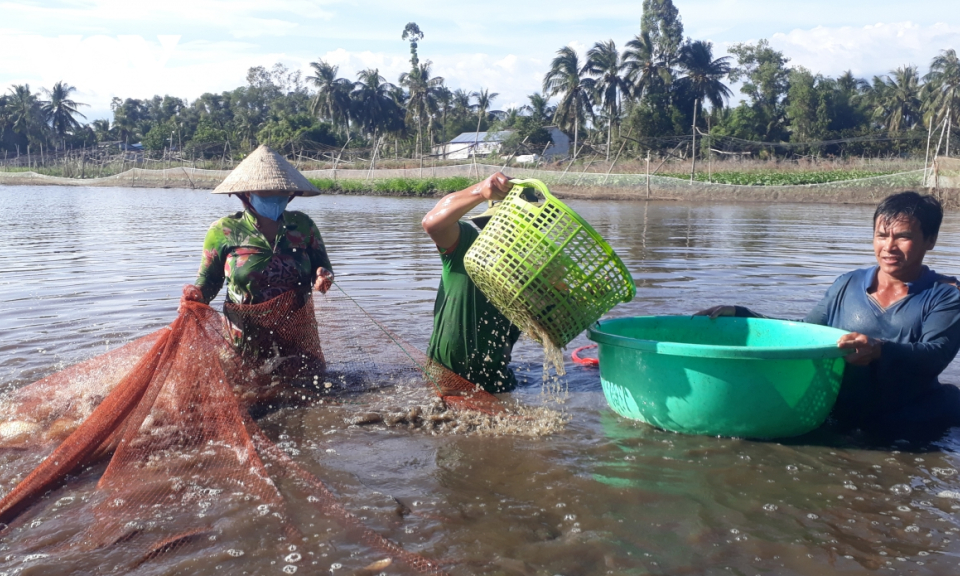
187, 177
152, 453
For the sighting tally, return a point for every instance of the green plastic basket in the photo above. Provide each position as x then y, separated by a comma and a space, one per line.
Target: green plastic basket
545, 268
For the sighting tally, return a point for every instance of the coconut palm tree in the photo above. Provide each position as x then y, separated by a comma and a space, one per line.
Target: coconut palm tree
26, 118
645, 71
484, 99
539, 108
897, 99
567, 78
332, 100
444, 98
375, 106
605, 64
421, 97
703, 75
101, 130
941, 93
60, 110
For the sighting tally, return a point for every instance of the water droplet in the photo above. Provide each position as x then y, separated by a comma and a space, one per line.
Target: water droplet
770, 507
291, 558
903, 508
235, 553
812, 516
289, 569
901, 489
791, 468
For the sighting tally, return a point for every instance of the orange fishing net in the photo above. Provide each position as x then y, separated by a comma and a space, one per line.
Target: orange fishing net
171, 413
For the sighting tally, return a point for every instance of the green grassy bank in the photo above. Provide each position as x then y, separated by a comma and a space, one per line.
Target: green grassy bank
394, 186
780, 177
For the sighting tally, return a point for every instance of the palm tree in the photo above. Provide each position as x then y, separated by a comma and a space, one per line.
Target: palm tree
332, 100
539, 107
566, 78
376, 108
60, 110
26, 118
897, 99
702, 75
645, 70
421, 97
484, 99
604, 63
461, 104
941, 93
444, 99
101, 129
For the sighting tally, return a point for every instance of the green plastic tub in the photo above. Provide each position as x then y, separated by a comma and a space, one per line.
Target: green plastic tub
742, 377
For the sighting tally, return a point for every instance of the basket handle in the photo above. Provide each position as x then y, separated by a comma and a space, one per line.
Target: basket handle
533, 183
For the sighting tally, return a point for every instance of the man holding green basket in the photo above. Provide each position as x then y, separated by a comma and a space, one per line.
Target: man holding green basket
470, 336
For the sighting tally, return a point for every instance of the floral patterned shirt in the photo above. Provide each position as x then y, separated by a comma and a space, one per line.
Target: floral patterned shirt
235, 251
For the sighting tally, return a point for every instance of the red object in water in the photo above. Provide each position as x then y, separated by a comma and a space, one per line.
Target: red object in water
585, 361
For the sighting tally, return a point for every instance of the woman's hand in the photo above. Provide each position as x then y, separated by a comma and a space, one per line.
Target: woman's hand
191, 293
324, 280
717, 311
865, 349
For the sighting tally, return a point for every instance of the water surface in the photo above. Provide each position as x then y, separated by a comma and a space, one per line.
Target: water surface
84, 270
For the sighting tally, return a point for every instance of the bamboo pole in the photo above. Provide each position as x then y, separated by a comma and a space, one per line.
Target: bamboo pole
614, 163
648, 174
926, 158
693, 148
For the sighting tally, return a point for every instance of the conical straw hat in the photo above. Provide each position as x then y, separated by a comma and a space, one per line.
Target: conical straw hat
266, 173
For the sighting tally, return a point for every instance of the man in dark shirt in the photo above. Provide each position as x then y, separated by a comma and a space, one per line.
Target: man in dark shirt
904, 323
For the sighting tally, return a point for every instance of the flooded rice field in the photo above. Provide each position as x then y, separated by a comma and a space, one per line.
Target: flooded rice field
83, 271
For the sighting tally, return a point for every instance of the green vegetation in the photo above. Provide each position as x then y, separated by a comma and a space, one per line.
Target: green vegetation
616, 104
780, 178
395, 186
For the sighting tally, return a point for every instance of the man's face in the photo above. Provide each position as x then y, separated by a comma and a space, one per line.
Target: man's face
899, 246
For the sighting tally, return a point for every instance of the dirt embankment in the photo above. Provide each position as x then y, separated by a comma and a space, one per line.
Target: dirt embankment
823, 194
950, 197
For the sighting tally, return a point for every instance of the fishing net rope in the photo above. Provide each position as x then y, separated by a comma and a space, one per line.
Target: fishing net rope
171, 414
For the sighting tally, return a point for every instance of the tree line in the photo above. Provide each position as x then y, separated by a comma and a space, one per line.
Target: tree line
662, 92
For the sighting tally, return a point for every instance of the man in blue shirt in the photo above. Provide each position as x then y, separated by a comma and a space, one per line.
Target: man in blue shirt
904, 323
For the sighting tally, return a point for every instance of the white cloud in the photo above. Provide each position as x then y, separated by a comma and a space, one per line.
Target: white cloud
187, 47
866, 50
102, 67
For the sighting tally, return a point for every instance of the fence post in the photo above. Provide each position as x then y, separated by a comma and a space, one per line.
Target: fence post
648, 174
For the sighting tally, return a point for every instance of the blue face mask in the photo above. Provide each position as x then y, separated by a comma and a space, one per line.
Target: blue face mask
270, 206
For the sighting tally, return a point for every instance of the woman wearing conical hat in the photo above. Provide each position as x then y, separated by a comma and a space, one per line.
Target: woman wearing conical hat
263, 252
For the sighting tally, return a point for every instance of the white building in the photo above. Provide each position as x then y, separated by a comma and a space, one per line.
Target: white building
469, 143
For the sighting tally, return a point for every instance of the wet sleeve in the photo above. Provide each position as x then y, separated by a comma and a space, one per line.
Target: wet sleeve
317, 251
936, 348
210, 277
823, 312
453, 258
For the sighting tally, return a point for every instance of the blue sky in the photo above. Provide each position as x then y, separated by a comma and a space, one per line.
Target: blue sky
183, 48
